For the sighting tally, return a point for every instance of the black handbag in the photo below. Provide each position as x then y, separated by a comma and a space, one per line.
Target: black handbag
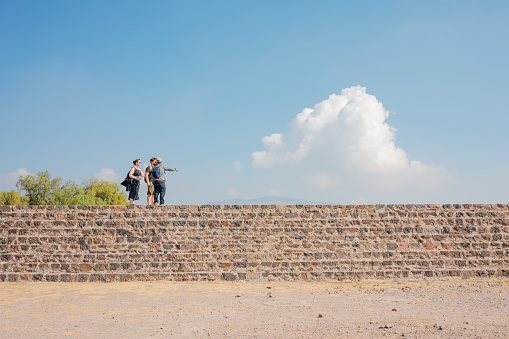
125, 182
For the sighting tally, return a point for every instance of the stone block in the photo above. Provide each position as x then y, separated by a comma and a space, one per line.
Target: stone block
228, 276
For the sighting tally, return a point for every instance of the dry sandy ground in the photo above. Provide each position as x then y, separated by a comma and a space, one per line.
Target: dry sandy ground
450, 309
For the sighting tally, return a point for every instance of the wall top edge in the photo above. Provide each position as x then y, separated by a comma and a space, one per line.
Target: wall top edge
211, 208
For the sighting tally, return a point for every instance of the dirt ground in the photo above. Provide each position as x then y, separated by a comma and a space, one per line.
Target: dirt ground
448, 309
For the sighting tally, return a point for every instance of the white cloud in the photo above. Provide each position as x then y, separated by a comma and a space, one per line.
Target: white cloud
108, 174
237, 166
347, 138
274, 143
232, 192
10, 179
274, 140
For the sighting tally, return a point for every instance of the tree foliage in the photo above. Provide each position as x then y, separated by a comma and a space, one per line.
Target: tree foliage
41, 189
12, 198
105, 192
73, 194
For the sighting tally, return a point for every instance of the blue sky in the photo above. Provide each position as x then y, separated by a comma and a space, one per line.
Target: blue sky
418, 112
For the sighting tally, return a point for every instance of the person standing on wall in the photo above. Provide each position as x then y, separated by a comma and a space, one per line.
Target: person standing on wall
135, 174
159, 175
149, 179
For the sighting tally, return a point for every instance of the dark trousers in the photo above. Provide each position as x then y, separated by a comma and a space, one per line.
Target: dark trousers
134, 189
160, 191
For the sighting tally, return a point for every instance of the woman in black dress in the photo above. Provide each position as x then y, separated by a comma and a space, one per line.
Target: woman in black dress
135, 174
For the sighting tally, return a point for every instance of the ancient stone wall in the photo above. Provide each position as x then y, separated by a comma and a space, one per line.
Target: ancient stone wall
268, 242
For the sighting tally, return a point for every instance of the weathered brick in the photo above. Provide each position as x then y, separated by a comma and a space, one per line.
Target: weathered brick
85, 267
229, 277
430, 246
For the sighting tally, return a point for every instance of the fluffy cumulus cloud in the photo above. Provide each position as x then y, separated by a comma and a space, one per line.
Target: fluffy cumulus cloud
346, 139
108, 174
10, 179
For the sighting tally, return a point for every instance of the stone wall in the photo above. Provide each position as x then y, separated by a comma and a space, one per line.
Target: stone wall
268, 242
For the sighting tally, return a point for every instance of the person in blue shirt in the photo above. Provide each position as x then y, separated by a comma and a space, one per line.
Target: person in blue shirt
159, 176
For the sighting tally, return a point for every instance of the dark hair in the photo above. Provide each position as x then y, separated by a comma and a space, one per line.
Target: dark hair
135, 161
153, 159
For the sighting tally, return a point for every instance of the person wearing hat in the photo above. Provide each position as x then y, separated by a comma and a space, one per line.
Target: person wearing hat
159, 175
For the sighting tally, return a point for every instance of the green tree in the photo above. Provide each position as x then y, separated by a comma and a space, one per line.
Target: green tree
105, 192
12, 198
73, 194
40, 188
